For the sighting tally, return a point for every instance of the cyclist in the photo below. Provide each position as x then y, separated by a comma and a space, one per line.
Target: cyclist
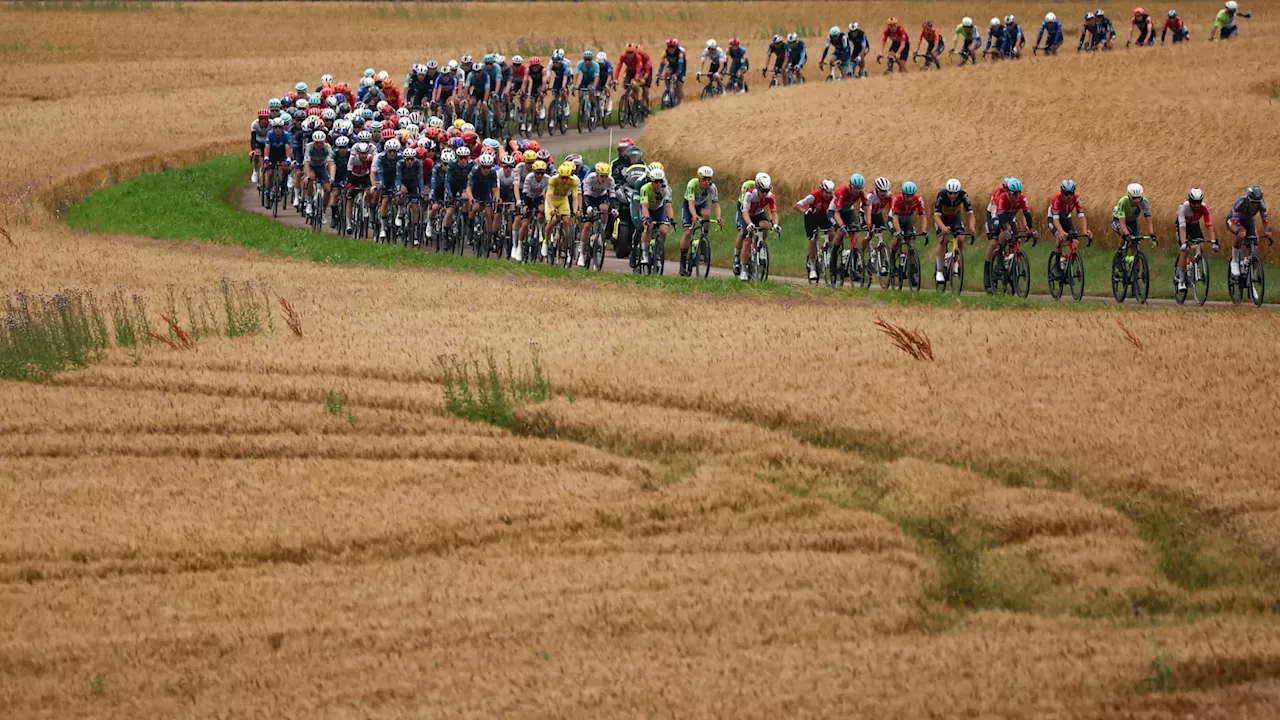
630, 67
417, 86
456, 178
931, 40
902, 211
563, 192
359, 166
1241, 223
815, 206
878, 203
1193, 220
597, 191
1124, 219
797, 56
1014, 40
700, 198
603, 80
1064, 207
1225, 22
848, 208
411, 177
561, 75
995, 40
673, 66
839, 49
279, 151
258, 132
299, 140
482, 182
1177, 26
968, 40
952, 200
341, 165
778, 52
713, 62
859, 46
479, 86
895, 41
758, 208
738, 65
446, 86
385, 167
534, 80
319, 169
1002, 214
533, 192
740, 223
1144, 26
1051, 33
1104, 29
655, 208
587, 71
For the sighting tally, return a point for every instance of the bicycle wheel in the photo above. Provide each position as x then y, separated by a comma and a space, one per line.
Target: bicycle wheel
1141, 278
660, 256
955, 278
913, 270
1257, 281
597, 250
882, 266
1022, 275
583, 115
865, 268
1180, 294
834, 268
702, 259
1119, 278
1056, 281
1075, 276
1199, 281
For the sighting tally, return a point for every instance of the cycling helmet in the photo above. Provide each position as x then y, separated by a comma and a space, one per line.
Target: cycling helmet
534, 146
655, 176
402, 112
491, 143
856, 180
734, 42
300, 88
601, 57
1173, 13
343, 108
853, 26
1254, 194
415, 117
318, 136
655, 165
1232, 5
277, 122
391, 145
602, 169
377, 125
1099, 13
477, 67
409, 154
419, 69
909, 188
361, 147
1069, 186
995, 22
558, 54
792, 37
1088, 16
301, 104
544, 156
421, 152
892, 20
539, 167
535, 61
576, 159
1135, 190
883, 184
332, 101
588, 55
1015, 185
366, 82
1139, 11
565, 170
706, 172
953, 185
509, 160
827, 187
674, 43
776, 39
364, 136
625, 142
264, 114
368, 72
367, 114
466, 128
456, 142
835, 30
764, 182
470, 137
447, 156
630, 48
1050, 17
462, 152
458, 123
427, 144
1196, 195
273, 104
1008, 19
452, 66
490, 58
967, 22
466, 59
711, 44
329, 114
486, 160
530, 156
517, 60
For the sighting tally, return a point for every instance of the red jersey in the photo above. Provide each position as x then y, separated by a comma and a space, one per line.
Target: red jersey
646, 62
631, 62
878, 202
902, 205
392, 94
1007, 202
815, 203
931, 36
1189, 214
518, 73
847, 197
755, 202
896, 33
1063, 204
1174, 24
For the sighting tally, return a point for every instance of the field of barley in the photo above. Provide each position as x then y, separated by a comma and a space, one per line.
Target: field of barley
695, 503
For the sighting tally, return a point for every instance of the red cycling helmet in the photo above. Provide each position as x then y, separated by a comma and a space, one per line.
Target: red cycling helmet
535, 61
388, 133
422, 153
264, 114
673, 43
470, 137
1137, 12
292, 96
733, 42
325, 93
625, 143
534, 146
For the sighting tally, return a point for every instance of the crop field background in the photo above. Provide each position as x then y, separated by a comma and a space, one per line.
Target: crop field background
657, 504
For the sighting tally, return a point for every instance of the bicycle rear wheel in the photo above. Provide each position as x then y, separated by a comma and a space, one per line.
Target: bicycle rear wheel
702, 259
1199, 281
1075, 276
1141, 278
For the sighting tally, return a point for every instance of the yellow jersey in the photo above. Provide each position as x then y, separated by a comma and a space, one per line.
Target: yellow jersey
559, 188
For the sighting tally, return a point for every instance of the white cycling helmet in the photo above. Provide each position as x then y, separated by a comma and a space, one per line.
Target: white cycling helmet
447, 156
763, 181
1051, 18
792, 37
342, 141
953, 185
1008, 19
361, 147
967, 22
466, 59
486, 160
517, 60
393, 145
318, 136
1196, 195
419, 69
706, 171
601, 57
453, 65
364, 136
883, 184
658, 175
435, 122
277, 122
835, 30
468, 127
329, 114
711, 44
995, 22
326, 79
402, 112
1232, 5
853, 26
366, 82
332, 101
1135, 190
383, 75
827, 186
462, 152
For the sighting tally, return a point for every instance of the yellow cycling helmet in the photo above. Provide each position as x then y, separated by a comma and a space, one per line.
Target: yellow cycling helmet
602, 168
655, 165
539, 166
530, 156
565, 170
458, 123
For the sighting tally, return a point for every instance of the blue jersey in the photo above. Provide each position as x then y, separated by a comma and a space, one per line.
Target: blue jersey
410, 177
1012, 38
606, 72
837, 46
480, 81
796, 53
995, 38
281, 140
738, 59
482, 184
587, 70
559, 71
455, 177
446, 82
1054, 32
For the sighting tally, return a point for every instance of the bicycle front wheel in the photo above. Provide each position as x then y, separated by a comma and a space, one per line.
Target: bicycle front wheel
882, 267
1119, 279
1141, 278
1180, 293
1257, 281
1075, 276
1199, 281
956, 279
913, 270
1055, 281
1022, 275
703, 259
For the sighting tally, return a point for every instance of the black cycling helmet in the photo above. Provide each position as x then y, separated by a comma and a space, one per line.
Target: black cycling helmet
1255, 194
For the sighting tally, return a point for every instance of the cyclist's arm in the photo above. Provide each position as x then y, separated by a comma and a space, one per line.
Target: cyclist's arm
716, 206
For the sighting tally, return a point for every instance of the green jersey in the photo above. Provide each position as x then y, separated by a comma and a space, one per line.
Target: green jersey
1127, 208
695, 194
965, 35
1225, 20
747, 187
655, 197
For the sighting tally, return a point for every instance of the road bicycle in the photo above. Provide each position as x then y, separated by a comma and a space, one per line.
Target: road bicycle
757, 260
1130, 273
669, 97
834, 71
967, 56
593, 243
279, 187
603, 107
737, 83
586, 111
1010, 270
536, 118
820, 257
1195, 277
1066, 270
1252, 280
835, 263
952, 261
559, 113
894, 64
481, 240
413, 225
794, 76
629, 110
852, 264
657, 250
532, 240
930, 60
712, 88
503, 240
559, 250
315, 206
906, 267
698, 261
876, 261
360, 214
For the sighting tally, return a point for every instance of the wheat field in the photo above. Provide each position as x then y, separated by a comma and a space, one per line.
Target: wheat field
747, 506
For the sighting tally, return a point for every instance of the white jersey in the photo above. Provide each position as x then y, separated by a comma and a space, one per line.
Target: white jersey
716, 55
535, 185
597, 186
507, 177
259, 131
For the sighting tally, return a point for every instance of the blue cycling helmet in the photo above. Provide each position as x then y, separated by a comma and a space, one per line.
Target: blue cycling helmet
1069, 186
369, 72
457, 142
1173, 13
1015, 185
857, 180
908, 188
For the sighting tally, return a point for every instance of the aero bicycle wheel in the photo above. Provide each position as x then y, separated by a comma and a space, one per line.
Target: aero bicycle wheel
1257, 280
1055, 280
1119, 278
1199, 280
1022, 275
1141, 278
1075, 276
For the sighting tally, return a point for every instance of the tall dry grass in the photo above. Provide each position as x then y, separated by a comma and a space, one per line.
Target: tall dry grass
745, 507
